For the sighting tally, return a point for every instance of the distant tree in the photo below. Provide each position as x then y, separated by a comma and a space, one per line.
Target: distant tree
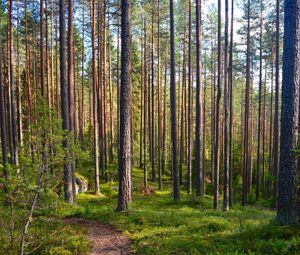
11, 91
247, 123
230, 89
3, 123
258, 175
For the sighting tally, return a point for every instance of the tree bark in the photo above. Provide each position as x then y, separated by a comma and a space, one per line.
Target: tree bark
231, 124
190, 112
176, 186
199, 124
64, 102
226, 117
125, 167
145, 103
217, 120
247, 123
287, 184
3, 124
276, 114
158, 99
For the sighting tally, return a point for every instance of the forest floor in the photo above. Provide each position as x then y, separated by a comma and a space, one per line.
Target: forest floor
156, 224
104, 239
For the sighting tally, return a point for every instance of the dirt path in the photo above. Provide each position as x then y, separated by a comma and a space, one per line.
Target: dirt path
105, 239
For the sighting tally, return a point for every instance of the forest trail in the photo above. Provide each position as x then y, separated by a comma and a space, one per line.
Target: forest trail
105, 239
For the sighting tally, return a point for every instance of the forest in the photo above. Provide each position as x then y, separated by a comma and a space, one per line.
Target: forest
159, 127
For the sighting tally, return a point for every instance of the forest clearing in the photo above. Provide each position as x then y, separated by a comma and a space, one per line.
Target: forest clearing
149, 127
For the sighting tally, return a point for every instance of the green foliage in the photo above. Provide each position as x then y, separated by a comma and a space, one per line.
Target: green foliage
35, 175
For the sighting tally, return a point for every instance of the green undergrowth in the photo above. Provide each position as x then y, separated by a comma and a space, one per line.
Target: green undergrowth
46, 236
158, 225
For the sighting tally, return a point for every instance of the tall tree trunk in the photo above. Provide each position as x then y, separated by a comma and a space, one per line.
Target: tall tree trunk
163, 164
82, 75
199, 127
118, 70
204, 120
258, 174
226, 117
231, 124
141, 101
176, 186
111, 96
158, 99
269, 188
276, 115
145, 103
153, 156
125, 167
104, 98
183, 86
247, 122
64, 102
217, 120
12, 105
19, 93
3, 124
95, 101
71, 86
287, 184
190, 112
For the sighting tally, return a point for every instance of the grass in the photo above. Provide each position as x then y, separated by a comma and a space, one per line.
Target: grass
158, 225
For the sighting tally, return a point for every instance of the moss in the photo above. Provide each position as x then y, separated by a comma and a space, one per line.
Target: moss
159, 225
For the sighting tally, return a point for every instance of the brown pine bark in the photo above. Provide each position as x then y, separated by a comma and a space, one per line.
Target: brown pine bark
258, 171
231, 124
95, 101
183, 88
159, 99
125, 167
111, 95
81, 126
217, 120
141, 101
145, 103
190, 111
247, 122
226, 116
199, 114
19, 95
176, 186
153, 156
11, 91
3, 124
164, 120
68, 188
